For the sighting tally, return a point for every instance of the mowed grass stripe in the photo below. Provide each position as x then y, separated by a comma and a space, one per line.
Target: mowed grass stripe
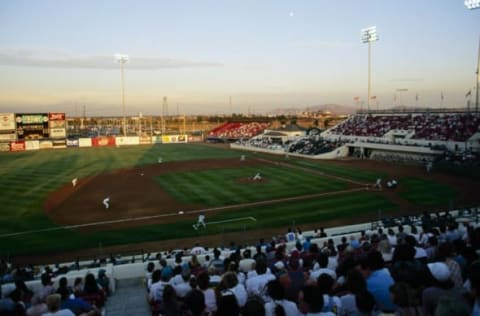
426, 192
231, 186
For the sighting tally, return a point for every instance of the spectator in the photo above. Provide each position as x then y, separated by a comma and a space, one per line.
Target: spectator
37, 307
331, 303
405, 298
378, 280
310, 301
278, 304
256, 285
203, 280
53, 304
253, 307
227, 305
195, 302
170, 306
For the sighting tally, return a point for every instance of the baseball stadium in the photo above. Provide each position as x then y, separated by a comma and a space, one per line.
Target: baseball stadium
252, 158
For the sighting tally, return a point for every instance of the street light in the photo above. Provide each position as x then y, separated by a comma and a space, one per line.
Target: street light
123, 59
369, 35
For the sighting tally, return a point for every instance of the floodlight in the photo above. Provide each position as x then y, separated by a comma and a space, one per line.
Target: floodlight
472, 4
369, 35
122, 59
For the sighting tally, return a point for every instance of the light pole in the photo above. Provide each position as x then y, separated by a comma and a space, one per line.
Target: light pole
475, 4
369, 35
400, 94
123, 59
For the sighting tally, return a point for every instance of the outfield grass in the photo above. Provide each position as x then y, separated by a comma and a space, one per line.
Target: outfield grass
27, 178
228, 186
426, 192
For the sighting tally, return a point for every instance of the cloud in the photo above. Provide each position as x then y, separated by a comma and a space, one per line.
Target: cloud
23, 58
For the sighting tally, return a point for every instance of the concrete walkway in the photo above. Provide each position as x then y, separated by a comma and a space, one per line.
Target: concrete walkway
128, 299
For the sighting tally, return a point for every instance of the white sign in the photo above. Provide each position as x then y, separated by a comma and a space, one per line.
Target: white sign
84, 142
7, 121
58, 133
32, 145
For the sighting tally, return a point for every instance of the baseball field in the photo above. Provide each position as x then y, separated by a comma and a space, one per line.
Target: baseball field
155, 204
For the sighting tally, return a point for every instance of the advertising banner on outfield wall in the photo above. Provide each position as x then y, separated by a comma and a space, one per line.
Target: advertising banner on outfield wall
56, 117
7, 121
72, 142
84, 142
4, 146
103, 141
174, 139
9, 136
18, 145
129, 140
56, 124
145, 140
59, 143
46, 144
156, 139
32, 145
195, 139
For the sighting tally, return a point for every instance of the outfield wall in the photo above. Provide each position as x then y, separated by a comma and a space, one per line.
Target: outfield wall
339, 152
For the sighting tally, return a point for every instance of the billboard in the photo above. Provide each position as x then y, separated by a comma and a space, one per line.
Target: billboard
58, 133
32, 126
84, 142
18, 145
56, 117
59, 143
174, 139
46, 144
4, 146
7, 121
145, 140
72, 142
128, 140
103, 141
9, 136
32, 145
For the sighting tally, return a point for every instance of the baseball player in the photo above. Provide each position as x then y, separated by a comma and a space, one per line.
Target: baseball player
378, 184
242, 157
257, 177
159, 160
201, 221
74, 182
106, 202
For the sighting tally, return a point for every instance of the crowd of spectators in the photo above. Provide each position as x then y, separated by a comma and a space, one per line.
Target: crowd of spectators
238, 130
86, 296
313, 146
429, 271
439, 127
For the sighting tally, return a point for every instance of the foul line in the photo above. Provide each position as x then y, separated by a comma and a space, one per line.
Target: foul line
213, 209
253, 219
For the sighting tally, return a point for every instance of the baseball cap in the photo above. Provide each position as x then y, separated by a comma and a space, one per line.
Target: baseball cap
439, 271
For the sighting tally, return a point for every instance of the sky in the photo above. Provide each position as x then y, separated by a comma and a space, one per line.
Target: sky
58, 56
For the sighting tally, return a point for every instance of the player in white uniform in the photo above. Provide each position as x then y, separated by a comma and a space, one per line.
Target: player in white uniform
74, 182
378, 184
201, 222
257, 177
106, 202
160, 160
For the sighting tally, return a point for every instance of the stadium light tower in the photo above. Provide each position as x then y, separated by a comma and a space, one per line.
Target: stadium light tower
475, 4
123, 59
369, 35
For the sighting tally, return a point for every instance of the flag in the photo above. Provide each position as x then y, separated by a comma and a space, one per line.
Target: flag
416, 97
441, 96
373, 97
469, 93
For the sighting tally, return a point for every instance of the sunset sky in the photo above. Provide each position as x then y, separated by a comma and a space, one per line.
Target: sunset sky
58, 55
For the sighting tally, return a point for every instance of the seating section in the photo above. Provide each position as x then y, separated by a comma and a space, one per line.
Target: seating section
440, 127
237, 130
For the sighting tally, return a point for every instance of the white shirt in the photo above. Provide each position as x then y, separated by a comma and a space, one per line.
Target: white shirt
240, 293
258, 285
315, 274
245, 265
198, 250
289, 307
182, 289
62, 312
210, 300
156, 290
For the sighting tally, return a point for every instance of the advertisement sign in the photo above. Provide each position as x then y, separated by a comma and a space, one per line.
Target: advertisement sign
84, 142
46, 144
103, 141
72, 142
56, 124
32, 126
59, 143
129, 140
58, 133
195, 139
8, 136
4, 146
7, 121
56, 116
17, 146
174, 139
145, 140
156, 139
32, 145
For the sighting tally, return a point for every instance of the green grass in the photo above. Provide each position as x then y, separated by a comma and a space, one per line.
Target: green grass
27, 178
224, 187
425, 192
